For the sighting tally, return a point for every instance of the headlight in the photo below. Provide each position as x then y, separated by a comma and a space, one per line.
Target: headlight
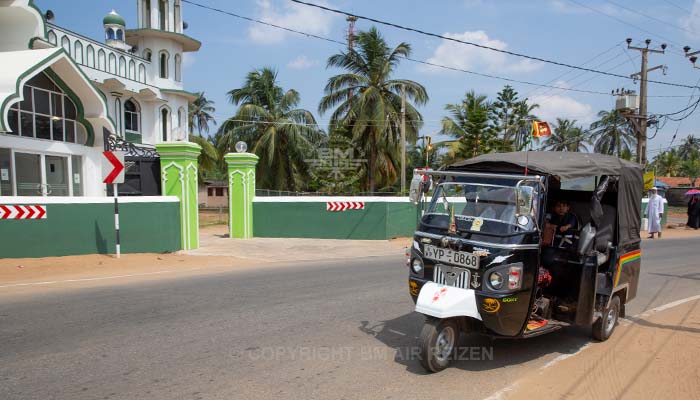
496, 280
417, 265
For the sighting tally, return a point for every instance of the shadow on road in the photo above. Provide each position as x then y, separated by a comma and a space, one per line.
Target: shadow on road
478, 352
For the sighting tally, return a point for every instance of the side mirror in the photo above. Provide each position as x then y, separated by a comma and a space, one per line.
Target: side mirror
416, 189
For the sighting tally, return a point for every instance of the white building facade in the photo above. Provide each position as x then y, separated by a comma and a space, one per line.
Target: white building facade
65, 98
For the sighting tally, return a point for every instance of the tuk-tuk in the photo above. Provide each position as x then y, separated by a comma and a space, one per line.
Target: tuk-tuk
486, 256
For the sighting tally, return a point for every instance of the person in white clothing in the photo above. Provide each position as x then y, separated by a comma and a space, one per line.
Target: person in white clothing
655, 210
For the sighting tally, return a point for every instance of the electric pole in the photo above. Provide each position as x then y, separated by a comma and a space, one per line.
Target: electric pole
639, 120
403, 139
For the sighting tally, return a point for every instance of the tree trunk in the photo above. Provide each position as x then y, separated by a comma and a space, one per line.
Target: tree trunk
372, 159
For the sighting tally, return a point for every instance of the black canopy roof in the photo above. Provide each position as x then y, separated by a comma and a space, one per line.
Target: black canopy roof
565, 165
572, 165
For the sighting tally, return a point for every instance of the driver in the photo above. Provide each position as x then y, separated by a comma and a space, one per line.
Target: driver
564, 224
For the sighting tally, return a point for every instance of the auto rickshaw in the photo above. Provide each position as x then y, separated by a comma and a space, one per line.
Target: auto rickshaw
482, 259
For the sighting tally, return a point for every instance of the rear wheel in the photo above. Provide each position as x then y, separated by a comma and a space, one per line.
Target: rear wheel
438, 342
605, 325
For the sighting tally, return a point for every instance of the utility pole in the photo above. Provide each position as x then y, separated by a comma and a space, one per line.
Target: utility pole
403, 139
351, 19
639, 120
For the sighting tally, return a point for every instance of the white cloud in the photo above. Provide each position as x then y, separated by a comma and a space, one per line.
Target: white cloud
561, 106
302, 62
692, 22
291, 15
458, 55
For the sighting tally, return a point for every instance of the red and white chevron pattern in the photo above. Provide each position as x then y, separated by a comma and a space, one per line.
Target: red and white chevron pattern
344, 205
22, 212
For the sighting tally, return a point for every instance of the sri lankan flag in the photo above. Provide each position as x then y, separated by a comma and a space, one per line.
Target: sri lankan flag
540, 129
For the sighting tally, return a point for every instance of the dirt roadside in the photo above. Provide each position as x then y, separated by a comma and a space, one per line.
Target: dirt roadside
648, 357
217, 254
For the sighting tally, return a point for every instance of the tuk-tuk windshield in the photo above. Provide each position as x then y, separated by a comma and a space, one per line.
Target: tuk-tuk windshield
483, 207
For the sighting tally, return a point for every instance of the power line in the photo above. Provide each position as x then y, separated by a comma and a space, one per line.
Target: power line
540, 59
621, 21
650, 17
679, 7
406, 58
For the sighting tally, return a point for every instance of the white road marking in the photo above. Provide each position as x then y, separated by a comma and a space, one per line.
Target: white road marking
94, 279
499, 394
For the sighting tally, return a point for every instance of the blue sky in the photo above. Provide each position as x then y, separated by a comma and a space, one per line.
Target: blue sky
560, 30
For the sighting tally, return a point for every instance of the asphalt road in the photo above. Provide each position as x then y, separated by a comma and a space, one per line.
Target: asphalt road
341, 330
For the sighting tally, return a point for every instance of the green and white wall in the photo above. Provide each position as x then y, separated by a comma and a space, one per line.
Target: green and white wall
85, 225
306, 217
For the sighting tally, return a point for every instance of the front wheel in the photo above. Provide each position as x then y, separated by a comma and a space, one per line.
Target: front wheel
605, 325
438, 342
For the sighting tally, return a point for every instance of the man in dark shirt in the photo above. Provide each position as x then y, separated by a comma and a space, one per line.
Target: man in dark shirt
566, 225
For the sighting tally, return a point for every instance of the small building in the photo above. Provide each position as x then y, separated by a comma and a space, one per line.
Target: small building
213, 194
65, 98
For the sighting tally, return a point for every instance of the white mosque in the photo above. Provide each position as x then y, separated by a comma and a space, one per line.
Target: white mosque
65, 98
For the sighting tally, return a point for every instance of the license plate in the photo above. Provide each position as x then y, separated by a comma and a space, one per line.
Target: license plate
462, 258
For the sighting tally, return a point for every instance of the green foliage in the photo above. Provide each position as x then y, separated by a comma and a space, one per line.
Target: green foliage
469, 122
567, 136
276, 131
200, 114
612, 134
366, 103
691, 166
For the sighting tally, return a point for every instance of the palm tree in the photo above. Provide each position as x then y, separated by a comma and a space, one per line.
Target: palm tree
689, 145
524, 116
367, 101
668, 163
209, 161
469, 123
280, 134
691, 166
612, 133
200, 114
567, 137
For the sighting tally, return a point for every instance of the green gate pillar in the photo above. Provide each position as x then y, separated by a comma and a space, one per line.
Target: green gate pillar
241, 191
178, 176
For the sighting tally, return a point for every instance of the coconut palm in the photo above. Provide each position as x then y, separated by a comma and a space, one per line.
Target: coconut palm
612, 134
524, 116
691, 166
668, 163
209, 162
567, 137
367, 101
278, 132
200, 114
469, 123
689, 145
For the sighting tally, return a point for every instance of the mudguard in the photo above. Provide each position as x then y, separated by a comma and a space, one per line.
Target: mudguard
442, 301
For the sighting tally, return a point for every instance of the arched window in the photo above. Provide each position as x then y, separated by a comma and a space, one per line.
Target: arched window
132, 70
146, 13
147, 54
163, 64
163, 11
112, 68
120, 34
65, 43
142, 73
101, 61
45, 112
78, 52
132, 116
52, 38
164, 124
122, 66
90, 56
178, 17
109, 34
118, 115
178, 68
180, 114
